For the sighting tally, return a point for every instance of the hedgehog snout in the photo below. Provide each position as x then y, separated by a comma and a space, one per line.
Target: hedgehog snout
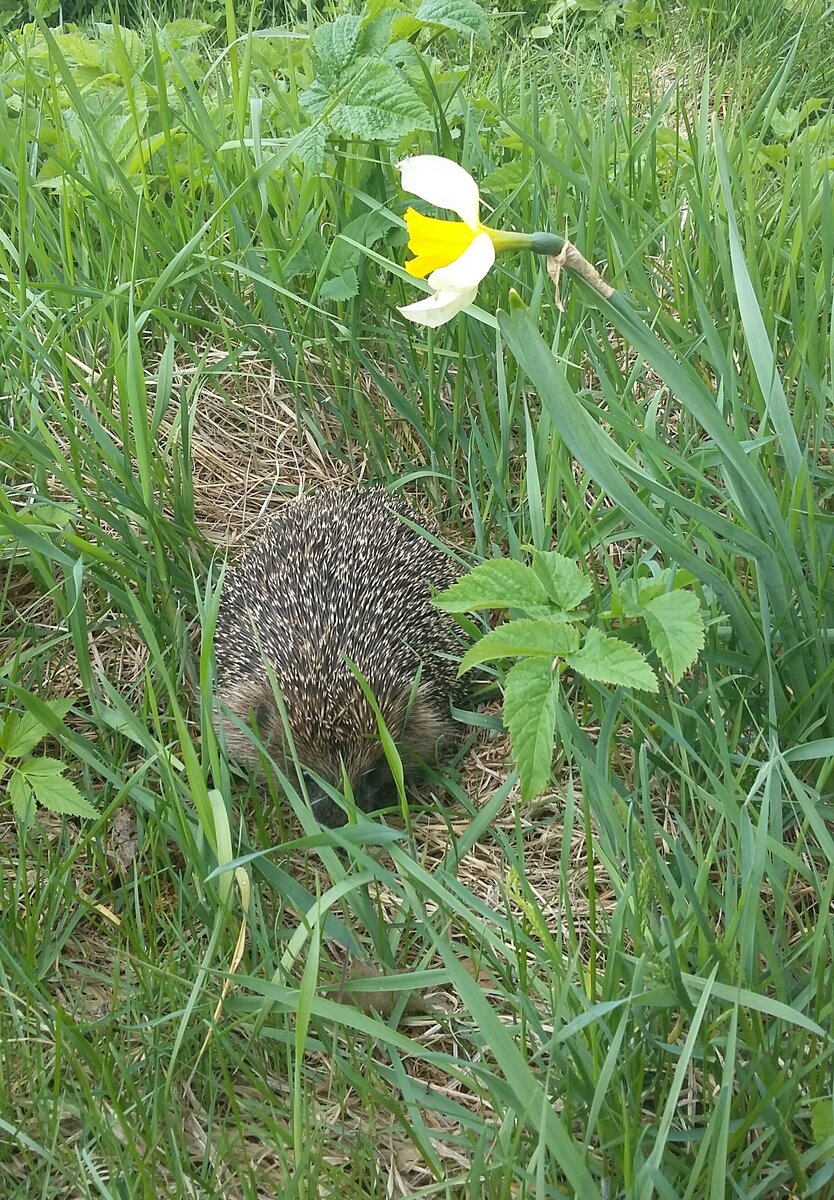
373, 790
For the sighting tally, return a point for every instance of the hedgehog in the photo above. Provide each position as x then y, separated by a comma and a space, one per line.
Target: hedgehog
340, 583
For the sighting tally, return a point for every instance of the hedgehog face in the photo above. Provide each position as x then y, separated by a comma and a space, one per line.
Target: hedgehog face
373, 790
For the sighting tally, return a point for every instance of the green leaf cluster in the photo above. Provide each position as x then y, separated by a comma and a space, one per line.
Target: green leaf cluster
596, 20
550, 633
369, 81
119, 95
36, 780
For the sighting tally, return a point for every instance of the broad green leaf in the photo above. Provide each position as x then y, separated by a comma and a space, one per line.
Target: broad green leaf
316, 98
499, 583
405, 26
25, 731
507, 177
530, 716
309, 146
609, 660
366, 231
185, 31
52, 790
340, 287
637, 592
79, 50
550, 638
22, 798
676, 630
337, 46
822, 1120
564, 582
460, 16
23, 735
381, 106
376, 27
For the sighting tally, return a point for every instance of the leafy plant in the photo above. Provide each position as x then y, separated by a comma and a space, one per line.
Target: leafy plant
551, 634
595, 20
371, 81
37, 779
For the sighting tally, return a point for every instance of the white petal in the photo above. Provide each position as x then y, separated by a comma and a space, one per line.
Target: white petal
469, 269
441, 307
444, 183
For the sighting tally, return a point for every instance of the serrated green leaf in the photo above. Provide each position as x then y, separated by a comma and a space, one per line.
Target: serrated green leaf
562, 579
499, 583
460, 16
405, 27
376, 27
22, 798
609, 660
505, 178
22, 735
340, 287
79, 50
676, 630
25, 731
185, 31
382, 106
530, 716
52, 790
822, 1120
36, 768
310, 146
366, 230
337, 46
550, 638
635, 593
316, 98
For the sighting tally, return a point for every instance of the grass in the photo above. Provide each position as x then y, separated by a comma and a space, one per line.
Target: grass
621, 989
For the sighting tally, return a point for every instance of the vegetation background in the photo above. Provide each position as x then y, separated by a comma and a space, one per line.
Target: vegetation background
620, 988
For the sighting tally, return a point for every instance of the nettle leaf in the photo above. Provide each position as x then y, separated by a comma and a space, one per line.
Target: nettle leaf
381, 106
316, 98
609, 660
459, 16
46, 779
405, 26
499, 583
507, 177
530, 716
337, 45
563, 581
676, 630
310, 144
79, 50
340, 287
185, 31
822, 1120
367, 230
376, 28
550, 638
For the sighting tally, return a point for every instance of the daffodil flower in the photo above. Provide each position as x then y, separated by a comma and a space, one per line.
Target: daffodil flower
453, 256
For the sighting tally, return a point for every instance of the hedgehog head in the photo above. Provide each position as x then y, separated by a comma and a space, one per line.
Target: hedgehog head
343, 742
